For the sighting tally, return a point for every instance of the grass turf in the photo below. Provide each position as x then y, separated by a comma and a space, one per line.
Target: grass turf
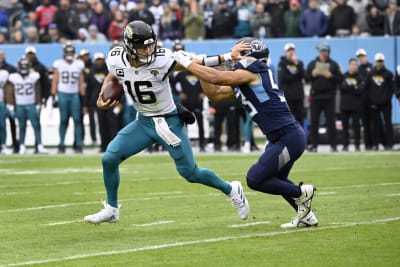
166, 221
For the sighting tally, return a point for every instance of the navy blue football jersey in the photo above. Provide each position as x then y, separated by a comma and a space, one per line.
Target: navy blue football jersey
264, 101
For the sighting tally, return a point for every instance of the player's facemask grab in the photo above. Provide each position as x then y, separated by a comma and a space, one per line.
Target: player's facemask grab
140, 42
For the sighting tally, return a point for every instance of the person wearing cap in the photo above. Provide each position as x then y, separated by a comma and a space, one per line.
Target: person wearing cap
351, 91
379, 87
324, 75
290, 76
364, 68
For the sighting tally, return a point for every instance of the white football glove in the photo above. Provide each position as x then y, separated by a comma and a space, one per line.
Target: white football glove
182, 58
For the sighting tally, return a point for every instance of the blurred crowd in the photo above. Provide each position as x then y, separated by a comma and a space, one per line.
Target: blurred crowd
97, 21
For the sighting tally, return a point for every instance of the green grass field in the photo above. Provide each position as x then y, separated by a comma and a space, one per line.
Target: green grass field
166, 221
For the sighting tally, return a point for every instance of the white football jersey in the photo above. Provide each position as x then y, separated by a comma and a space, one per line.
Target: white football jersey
147, 86
68, 81
3, 80
24, 87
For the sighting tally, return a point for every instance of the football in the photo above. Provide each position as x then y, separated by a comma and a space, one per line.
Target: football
113, 90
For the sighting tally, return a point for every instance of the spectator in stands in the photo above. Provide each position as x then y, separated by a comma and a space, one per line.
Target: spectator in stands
209, 7
171, 21
375, 21
113, 6
365, 68
66, 20
324, 75
223, 21
291, 18
100, 18
83, 35
44, 16
141, 12
157, 10
26, 21
261, 22
290, 76
116, 26
32, 35
244, 12
17, 37
276, 9
360, 9
3, 37
193, 21
4, 18
351, 104
95, 37
380, 88
392, 20
126, 6
313, 22
53, 36
341, 20
84, 13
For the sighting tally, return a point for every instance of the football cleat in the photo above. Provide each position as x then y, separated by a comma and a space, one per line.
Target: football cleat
41, 149
304, 201
310, 220
22, 149
108, 214
238, 199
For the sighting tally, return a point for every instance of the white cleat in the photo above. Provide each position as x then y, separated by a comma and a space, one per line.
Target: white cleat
304, 201
5, 151
238, 199
108, 214
310, 220
41, 149
22, 150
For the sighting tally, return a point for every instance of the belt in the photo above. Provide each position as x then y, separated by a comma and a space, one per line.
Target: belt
277, 134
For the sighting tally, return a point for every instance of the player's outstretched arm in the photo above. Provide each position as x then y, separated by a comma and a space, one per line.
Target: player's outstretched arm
217, 93
101, 104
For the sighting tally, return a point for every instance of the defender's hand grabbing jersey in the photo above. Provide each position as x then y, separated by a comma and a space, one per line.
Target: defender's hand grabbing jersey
148, 85
264, 101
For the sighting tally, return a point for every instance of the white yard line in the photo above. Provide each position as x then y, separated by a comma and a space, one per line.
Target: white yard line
152, 223
175, 197
62, 223
326, 193
198, 241
247, 224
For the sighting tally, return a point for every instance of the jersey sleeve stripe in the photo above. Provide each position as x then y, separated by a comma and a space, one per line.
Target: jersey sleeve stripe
169, 70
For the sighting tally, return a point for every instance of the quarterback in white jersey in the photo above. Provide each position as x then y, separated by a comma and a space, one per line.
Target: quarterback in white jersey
68, 83
143, 71
3, 81
26, 97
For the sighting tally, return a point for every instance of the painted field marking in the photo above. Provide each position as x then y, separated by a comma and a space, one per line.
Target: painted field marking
247, 224
393, 195
172, 197
326, 193
198, 241
152, 223
62, 223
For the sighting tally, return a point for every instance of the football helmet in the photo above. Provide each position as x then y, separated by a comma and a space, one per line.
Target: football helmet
178, 45
23, 66
258, 50
139, 35
69, 52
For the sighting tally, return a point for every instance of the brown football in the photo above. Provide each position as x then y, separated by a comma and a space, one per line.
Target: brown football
113, 90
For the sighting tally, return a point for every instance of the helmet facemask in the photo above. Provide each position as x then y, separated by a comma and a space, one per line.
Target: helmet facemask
23, 66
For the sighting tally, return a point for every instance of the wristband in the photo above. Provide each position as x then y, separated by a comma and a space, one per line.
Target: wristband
227, 56
212, 61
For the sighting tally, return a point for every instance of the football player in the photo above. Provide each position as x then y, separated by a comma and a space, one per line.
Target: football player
25, 88
3, 111
69, 85
251, 82
143, 71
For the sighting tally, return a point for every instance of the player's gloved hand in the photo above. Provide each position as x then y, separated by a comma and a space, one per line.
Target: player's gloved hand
38, 108
182, 59
10, 109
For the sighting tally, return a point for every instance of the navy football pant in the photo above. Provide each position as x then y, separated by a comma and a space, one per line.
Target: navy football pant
270, 174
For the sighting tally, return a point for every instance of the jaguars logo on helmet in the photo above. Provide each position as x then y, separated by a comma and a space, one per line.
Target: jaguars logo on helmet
139, 35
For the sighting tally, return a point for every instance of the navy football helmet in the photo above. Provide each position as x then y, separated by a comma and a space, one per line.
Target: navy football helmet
258, 50
23, 66
138, 34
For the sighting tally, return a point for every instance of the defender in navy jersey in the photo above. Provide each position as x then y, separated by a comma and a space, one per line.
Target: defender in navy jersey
251, 81
143, 71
